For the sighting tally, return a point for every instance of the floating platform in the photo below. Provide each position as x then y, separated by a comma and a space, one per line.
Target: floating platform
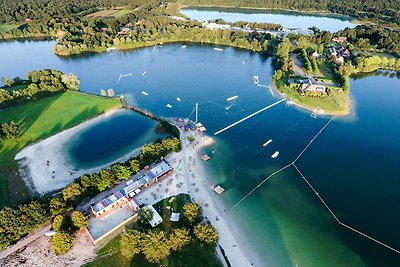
276, 154
205, 157
232, 98
268, 142
218, 49
218, 189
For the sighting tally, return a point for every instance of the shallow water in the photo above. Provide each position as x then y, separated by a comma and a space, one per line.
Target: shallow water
353, 164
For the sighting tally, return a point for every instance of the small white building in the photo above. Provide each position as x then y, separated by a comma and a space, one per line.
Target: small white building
156, 220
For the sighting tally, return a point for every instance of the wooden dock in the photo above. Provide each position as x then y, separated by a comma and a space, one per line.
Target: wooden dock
145, 113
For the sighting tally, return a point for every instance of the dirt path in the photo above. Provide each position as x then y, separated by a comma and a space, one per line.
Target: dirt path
24, 242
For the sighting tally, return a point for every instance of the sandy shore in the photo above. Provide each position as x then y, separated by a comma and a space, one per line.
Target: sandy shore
237, 248
42, 177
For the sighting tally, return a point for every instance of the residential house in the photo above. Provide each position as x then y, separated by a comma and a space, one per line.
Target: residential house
339, 39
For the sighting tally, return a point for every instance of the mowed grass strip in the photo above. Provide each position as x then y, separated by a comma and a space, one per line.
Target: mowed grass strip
38, 120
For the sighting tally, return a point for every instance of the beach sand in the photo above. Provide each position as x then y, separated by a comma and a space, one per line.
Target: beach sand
43, 164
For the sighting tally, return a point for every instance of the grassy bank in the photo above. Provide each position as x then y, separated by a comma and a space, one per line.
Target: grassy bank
194, 254
337, 103
38, 120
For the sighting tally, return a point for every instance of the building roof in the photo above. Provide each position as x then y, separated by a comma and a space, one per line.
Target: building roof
104, 203
156, 220
158, 170
175, 217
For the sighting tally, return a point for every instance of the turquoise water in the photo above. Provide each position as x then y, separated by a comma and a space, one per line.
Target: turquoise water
353, 164
285, 18
110, 138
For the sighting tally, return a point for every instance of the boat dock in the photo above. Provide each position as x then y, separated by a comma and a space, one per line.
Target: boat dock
144, 112
218, 189
205, 157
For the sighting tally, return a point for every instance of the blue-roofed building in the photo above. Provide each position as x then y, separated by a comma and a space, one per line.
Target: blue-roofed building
108, 203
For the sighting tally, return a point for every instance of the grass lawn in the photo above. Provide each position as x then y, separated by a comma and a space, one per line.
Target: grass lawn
193, 255
327, 71
337, 103
38, 120
7, 27
110, 13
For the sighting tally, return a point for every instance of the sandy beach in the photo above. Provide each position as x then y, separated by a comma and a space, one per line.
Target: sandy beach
44, 166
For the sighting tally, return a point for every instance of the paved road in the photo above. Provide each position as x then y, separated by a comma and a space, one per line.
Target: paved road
23, 242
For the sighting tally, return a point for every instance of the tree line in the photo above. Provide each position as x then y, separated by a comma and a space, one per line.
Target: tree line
40, 83
19, 221
156, 244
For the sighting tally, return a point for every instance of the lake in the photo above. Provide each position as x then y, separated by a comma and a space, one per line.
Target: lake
288, 19
353, 164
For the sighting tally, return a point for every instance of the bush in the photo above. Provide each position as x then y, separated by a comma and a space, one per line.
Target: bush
61, 242
79, 219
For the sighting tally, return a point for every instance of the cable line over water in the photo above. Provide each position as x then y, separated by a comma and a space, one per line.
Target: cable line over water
315, 191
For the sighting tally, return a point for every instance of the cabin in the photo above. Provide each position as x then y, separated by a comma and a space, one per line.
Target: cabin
339, 39
339, 60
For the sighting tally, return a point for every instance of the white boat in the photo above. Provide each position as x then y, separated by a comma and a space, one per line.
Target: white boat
178, 99
110, 49
144, 72
267, 143
144, 93
232, 98
275, 154
313, 115
169, 106
218, 49
183, 46
256, 79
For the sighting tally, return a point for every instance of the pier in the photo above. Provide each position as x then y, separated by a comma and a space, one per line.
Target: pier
145, 113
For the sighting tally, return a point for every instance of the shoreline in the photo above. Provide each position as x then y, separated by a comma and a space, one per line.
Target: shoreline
237, 248
38, 175
325, 14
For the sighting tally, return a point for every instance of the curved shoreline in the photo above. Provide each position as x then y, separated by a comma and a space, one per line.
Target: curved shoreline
39, 175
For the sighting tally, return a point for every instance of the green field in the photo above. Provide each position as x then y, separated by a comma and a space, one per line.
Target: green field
194, 254
38, 120
110, 13
7, 27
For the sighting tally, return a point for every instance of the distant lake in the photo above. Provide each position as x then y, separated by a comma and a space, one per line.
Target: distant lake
353, 164
287, 19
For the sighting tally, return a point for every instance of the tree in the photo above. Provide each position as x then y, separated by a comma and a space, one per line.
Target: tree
191, 212
71, 192
61, 242
10, 130
71, 81
57, 206
320, 49
155, 246
110, 92
206, 233
131, 243
79, 219
6, 81
59, 223
120, 171
145, 214
179, 238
